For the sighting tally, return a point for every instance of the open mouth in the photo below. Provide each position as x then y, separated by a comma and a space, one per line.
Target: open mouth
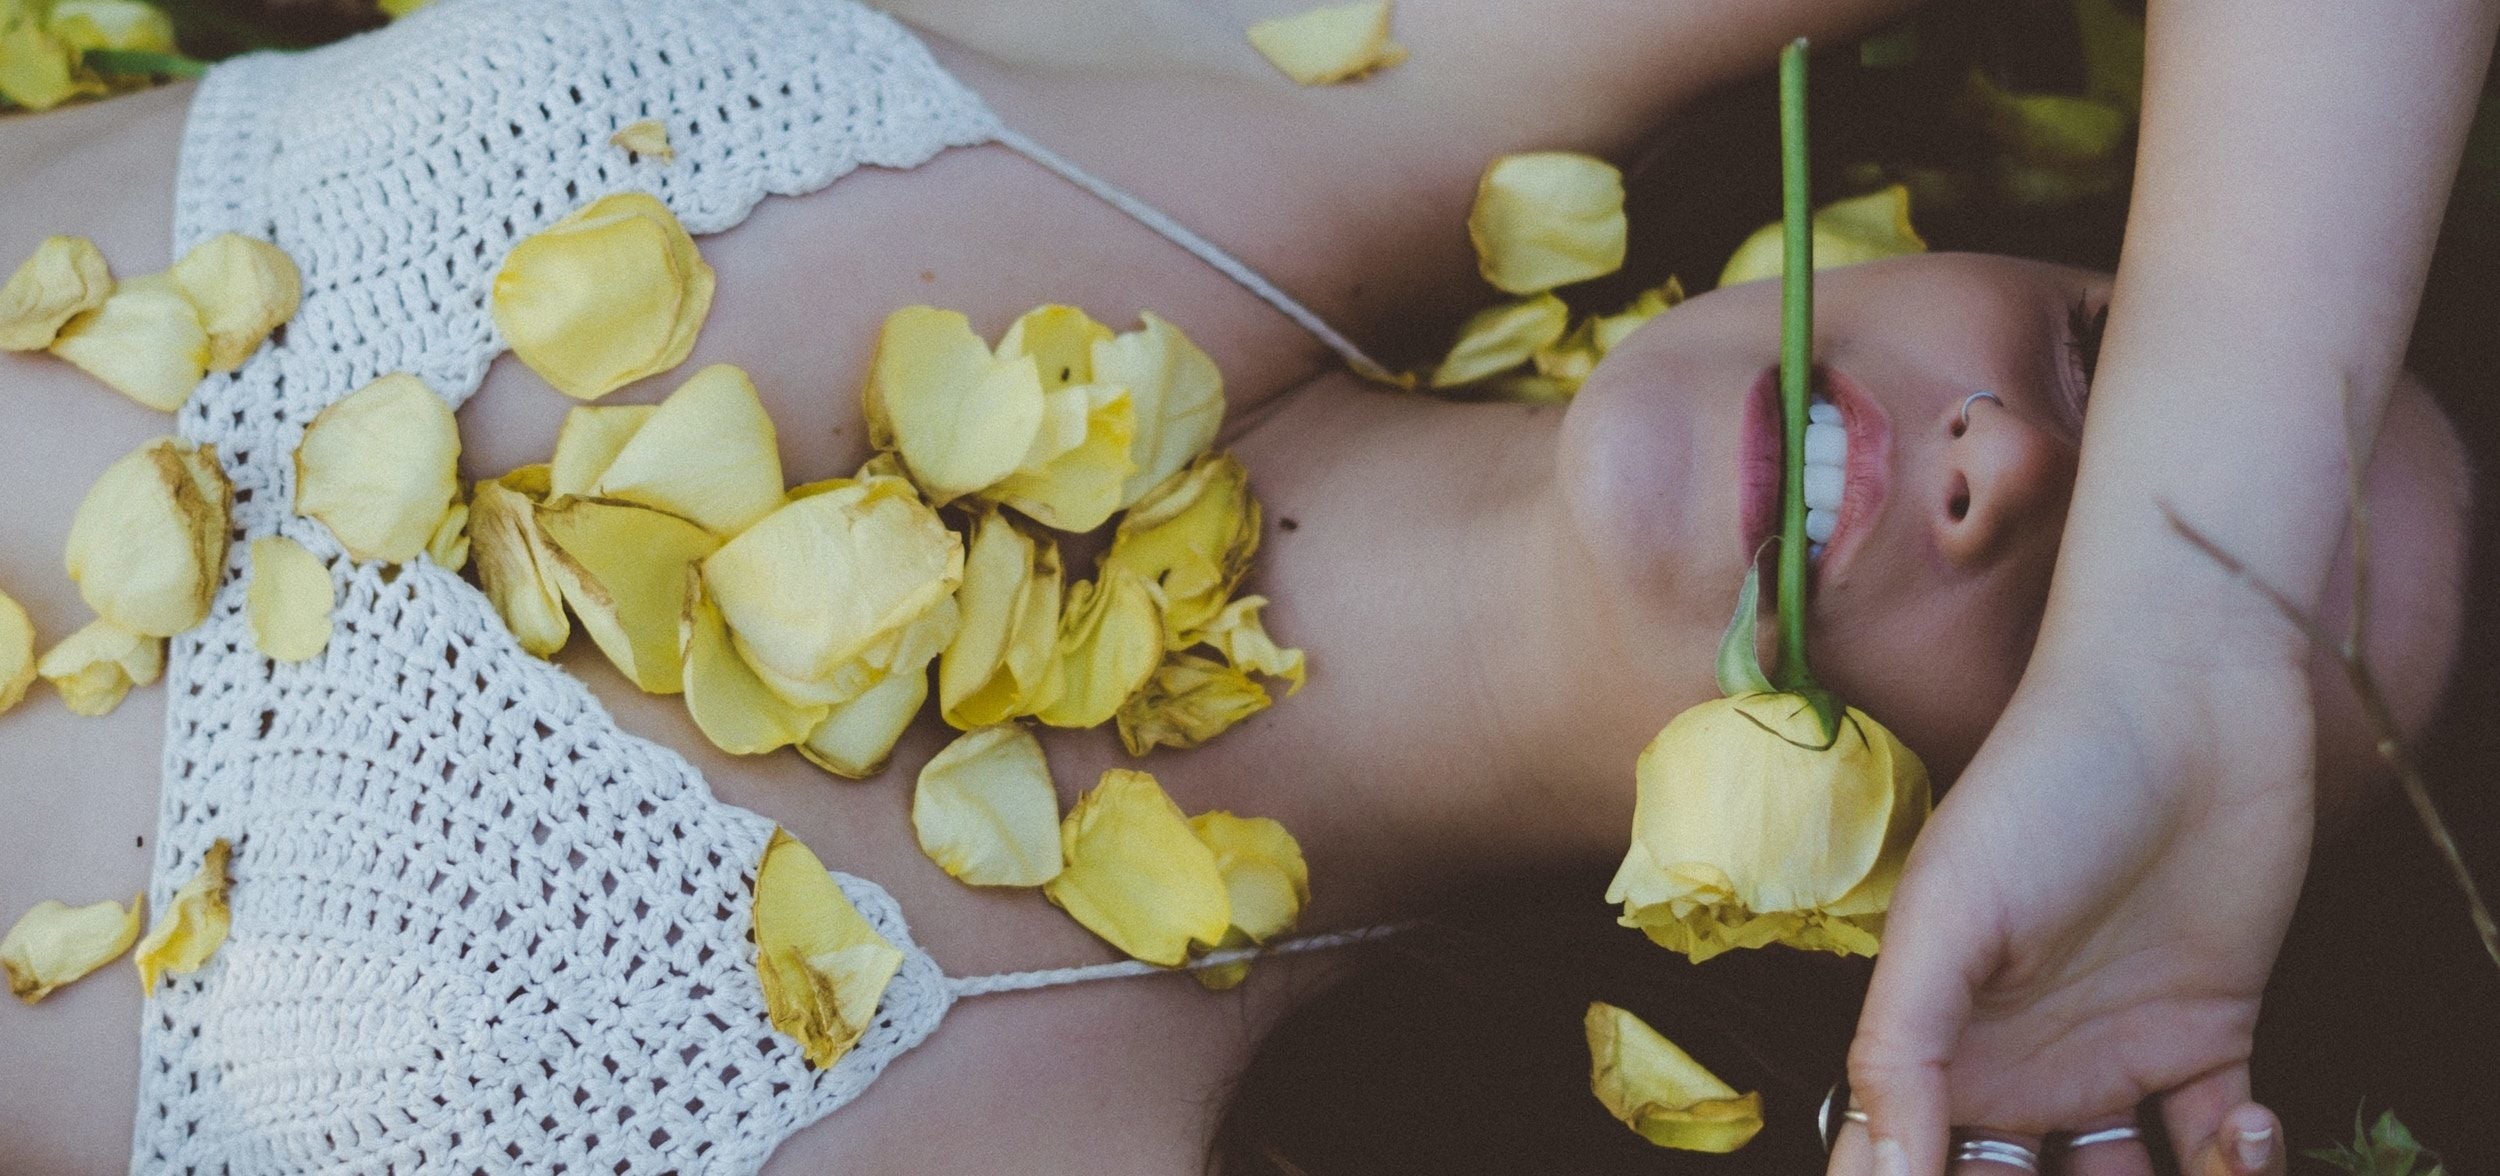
1847, 465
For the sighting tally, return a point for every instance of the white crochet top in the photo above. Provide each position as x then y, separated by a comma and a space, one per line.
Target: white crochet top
476, 927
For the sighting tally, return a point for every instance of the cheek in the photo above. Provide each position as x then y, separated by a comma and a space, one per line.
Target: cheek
1937, 670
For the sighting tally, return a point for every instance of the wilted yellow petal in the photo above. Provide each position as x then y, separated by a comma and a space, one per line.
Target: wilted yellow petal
1264, 874
623, 569
1177, 395
592, 436
613, 292
1136, 874
17, 652
145, 342
1001, 657
822, 965
734, 709
1078, 487
1325, 45
243, 289
961, 417
1499, 338
96, 666
112, 24
380, 467
647, 137
37, 70
857, 737
54, 943
1547, 218
1659, 1091
815, 584
289, 599
1243, 640
448, 546
1110, 640
1744, 834
1060, 340
1189, 700
1193, 539
192, 927
65, 277
1863, 228
985, 811
707, 454
1607, 330
148, 543
514, 560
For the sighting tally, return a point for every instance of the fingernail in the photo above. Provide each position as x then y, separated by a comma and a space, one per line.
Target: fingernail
1890, 1160
2256, 1145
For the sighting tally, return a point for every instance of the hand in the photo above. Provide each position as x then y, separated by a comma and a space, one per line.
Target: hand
2089, 919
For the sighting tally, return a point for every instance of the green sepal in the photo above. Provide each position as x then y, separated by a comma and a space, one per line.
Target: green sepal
1740, 658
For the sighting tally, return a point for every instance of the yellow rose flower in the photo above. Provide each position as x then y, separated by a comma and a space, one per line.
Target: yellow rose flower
822, 965
1322, 46
1659, 1091
1743, 834
1547, 218
611, 293
380, 467
148, 543
64, 277
193, 927
54, 943
1136, 874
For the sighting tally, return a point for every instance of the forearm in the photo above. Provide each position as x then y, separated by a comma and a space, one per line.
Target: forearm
2293, 165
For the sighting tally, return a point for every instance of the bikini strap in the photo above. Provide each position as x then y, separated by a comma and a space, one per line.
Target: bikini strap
962, 986
1204, 250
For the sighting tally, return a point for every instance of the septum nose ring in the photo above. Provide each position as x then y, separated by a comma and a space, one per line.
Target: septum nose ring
1972, 399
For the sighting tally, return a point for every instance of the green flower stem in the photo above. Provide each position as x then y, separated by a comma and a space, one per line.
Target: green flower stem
138, 61
1796, 368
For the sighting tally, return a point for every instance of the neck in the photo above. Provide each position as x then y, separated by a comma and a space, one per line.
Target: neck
1420, 552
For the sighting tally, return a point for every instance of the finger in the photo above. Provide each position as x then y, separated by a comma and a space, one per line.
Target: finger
2250, 1143
2087, 1156
2194, 1113
1974, 1154
1852, 1154
1916, 1006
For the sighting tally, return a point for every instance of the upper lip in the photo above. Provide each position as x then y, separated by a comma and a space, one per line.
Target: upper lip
1868, 477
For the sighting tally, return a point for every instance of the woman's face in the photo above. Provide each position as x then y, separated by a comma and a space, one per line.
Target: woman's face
1927, 596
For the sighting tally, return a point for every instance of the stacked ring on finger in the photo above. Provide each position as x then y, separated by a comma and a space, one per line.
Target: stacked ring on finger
1996, 1151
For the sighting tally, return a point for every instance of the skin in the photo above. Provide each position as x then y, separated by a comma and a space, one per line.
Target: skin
1503, 602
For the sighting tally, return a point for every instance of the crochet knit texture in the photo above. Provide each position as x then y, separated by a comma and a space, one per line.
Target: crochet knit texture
476, 928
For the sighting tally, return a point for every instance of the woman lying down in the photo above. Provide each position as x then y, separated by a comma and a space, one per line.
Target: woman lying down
489, 912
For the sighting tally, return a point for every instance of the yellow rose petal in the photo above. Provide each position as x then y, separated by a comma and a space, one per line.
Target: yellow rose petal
146, 342
17, 652
1499, 338
612, 293
985, 811
193, 926
448, 546
514, 561
623, 569
127, 25
1078, 487
857, 737
37, 70
1110, 641
1863, 228
707, 454
1547, 218
1061, 342
380, 467
734, 709
648, 137
1001, 656
1238, 633
243, 288
1189, 700
289, 599
1136, 874
1326, 45
64, 278
1265, 877
1659, 1091
1193, 538
823, 967
148, 543
1177, 396
1608, 330
96, 666
1744, 834
54, 943
813, 585
961, 417
588, 443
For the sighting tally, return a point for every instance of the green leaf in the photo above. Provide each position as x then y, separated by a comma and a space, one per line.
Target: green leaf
1740, 658
2113, 54
2384, 1148
140, 61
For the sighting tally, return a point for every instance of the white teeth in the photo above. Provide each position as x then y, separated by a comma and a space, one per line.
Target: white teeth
1820, 524
1827, 444
1823, 487
1822, 412
1827, 465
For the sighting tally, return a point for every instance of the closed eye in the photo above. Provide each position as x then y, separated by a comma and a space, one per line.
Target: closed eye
2084, 324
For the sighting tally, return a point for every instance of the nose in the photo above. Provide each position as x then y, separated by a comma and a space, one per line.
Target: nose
2006, 479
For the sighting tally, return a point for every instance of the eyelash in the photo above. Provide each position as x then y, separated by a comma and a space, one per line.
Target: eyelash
2084, 324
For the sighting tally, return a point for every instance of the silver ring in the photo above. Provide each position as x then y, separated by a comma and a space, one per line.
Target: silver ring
1974, 398
2104, 1135
1996, 1151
